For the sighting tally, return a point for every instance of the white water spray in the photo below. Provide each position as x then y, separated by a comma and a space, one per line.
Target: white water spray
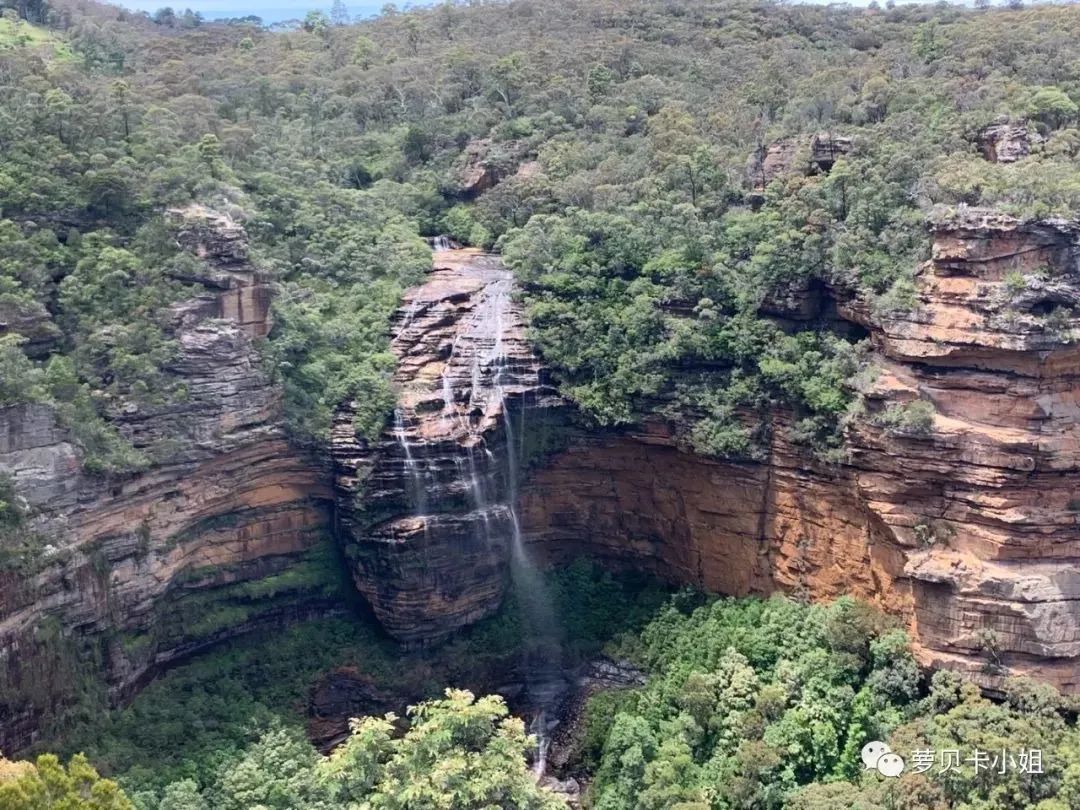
415, 477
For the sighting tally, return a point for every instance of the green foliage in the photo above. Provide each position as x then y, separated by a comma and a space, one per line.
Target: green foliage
104, 449
749, 699
346, 257
20, 546
1053, 107
656, 280
626, 319
767, 704
12, 510
20, 379
652, 283
112, 304
459, 752
748, 702
47, 784
20, 36
204, 716
915, 418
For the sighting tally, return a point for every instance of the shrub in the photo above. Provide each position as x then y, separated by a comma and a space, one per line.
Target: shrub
914, 419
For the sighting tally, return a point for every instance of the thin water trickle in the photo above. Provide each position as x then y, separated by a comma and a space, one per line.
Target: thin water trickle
543, 674
480, 394
538, 729
415, 475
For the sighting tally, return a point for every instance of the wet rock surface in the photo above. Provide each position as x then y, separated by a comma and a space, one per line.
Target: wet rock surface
425, 514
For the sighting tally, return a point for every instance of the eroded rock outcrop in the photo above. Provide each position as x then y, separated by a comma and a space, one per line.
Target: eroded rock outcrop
955, 509
966, 525
812, 155
135, 571
1007, 142
426, 514
486, 163
962, 520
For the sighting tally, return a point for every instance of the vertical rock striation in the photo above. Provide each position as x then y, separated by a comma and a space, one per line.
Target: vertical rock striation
966, 524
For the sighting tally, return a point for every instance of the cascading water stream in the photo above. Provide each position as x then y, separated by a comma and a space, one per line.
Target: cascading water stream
480, 392
415, 477
544, 679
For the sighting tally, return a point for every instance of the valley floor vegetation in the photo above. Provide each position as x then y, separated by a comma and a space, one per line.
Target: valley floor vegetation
748, 703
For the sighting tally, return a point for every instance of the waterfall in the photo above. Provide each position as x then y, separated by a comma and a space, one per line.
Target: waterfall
415, 477
544, 681
473, 409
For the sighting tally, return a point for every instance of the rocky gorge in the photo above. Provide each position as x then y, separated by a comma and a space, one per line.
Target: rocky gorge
956, 514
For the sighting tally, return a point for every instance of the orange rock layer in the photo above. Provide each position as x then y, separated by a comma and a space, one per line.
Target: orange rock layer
966, 525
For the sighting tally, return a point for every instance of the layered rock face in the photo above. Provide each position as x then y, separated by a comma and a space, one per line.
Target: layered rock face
964, 521
427, 514
984, 501
955, 508
135, 572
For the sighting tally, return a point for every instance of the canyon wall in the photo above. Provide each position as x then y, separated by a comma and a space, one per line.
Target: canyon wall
954, 508
956, 513
983, 501
226, 530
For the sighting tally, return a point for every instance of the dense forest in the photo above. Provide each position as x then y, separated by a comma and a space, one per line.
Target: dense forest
615, 154
624, 144
748, 704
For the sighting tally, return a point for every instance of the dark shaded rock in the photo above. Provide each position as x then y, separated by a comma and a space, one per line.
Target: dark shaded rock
340, 696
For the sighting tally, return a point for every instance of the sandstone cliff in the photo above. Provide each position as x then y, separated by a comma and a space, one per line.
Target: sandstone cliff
967, 526
137, 571
983, 504
426, 515
964, 523
959, 516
